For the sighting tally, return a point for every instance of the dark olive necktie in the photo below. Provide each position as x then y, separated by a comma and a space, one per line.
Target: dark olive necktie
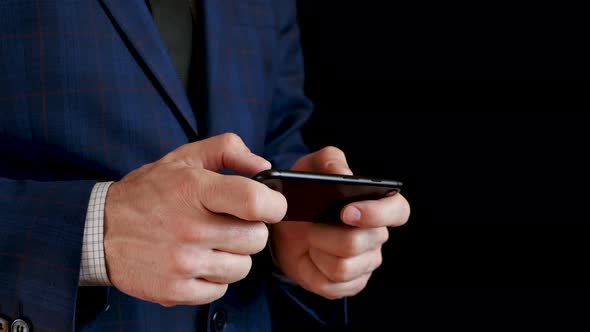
175, 23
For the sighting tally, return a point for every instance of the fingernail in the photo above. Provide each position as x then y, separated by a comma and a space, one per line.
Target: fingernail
352, 215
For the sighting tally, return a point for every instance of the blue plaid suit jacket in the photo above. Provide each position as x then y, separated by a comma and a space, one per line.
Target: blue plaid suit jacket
87, 94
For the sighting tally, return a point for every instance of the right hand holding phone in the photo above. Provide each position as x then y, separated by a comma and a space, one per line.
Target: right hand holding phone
330, 259
177, 232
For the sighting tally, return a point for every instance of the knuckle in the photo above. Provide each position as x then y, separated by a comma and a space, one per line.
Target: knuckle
187, 174
278, 203
378, 260
231, 140
180, 262
244, 268
178, 154
341, 270
252, 202
181, 232
406, 210
382, 235
259, 234
232, 271
352, 245
357, 286
190, 232
219, 292
168, 157
204, 294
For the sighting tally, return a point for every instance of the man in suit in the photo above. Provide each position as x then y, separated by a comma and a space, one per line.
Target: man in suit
113, 215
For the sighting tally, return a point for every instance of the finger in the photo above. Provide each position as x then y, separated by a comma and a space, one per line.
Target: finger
345, 241
194, 261
339, 269
242, 197
388, 211
167, 290
190, 292
225, 233
327, 160
315, 281
226, 151
224, 268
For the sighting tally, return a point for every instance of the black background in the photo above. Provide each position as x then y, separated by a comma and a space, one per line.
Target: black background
471, 106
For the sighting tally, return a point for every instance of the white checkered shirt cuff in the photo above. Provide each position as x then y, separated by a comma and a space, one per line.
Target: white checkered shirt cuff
93, 270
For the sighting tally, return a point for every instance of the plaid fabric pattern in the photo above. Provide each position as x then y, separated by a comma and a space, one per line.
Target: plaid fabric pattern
88, 94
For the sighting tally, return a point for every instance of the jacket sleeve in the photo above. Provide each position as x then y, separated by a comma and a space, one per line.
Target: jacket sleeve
292, 307
41, 231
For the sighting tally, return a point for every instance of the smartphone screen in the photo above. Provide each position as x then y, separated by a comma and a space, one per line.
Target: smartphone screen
319, 197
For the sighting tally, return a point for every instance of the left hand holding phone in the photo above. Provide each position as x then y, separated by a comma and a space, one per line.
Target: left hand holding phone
336, 260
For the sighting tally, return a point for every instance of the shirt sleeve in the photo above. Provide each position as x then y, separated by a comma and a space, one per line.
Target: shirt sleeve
93, 271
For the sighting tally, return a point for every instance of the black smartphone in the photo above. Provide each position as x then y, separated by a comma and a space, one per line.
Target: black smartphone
319, 197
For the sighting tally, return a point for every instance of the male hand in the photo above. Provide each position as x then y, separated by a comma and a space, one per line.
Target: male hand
177, 232
336, 260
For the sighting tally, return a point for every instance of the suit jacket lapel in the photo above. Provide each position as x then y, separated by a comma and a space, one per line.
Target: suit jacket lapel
135, 22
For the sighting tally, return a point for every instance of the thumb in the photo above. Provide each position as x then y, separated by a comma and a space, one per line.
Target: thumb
225, 151
327, 160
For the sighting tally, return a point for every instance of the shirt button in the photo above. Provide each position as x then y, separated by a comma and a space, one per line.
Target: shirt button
3, 325
19, 325
219, 320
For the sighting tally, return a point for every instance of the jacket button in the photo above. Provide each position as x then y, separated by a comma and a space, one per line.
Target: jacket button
3, 325
19, 325
219, 320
